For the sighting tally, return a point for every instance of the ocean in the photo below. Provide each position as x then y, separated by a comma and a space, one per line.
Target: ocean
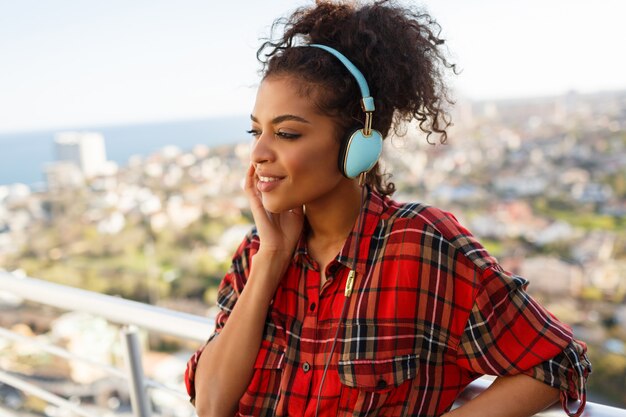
23, 155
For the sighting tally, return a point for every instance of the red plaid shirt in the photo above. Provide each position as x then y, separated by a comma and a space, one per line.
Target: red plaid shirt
431, 311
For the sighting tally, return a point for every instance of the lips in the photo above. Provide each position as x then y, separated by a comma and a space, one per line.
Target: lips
268, 182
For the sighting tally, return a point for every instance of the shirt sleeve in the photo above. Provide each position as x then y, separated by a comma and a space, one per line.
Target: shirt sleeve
228, 293
509, 333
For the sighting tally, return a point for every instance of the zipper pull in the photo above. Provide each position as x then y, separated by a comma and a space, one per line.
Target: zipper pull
350, 283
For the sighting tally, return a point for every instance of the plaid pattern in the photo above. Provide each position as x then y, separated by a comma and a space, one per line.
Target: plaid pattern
431, 311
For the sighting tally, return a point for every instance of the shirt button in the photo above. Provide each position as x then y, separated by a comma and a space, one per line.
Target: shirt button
312, 307
381, 384
306, 367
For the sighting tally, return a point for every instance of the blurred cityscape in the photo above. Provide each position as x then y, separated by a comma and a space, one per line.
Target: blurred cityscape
541, 183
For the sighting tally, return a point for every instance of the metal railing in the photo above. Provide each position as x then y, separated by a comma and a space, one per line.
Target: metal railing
133, 315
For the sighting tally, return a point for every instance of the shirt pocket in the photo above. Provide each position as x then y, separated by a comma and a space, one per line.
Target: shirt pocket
378, 374
262, 395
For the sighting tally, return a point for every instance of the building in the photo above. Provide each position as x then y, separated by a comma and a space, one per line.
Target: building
63, 174
84, 149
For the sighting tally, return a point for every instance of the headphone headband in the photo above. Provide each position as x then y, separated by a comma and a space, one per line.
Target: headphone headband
367, 101
361, 149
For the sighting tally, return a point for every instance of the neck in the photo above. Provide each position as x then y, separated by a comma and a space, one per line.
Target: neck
332, 220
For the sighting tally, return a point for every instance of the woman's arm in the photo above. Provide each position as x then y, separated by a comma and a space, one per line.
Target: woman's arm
509, 333
226, 364
509, 396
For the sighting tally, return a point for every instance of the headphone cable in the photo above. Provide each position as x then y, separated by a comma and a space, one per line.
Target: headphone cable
347, 294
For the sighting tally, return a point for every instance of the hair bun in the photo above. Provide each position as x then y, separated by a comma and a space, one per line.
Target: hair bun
398, 50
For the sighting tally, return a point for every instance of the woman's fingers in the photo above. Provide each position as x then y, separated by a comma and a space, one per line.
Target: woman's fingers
263, 219
250, 184
277, 230
254, 195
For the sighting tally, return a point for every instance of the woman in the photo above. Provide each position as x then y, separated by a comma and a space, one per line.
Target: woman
342, 301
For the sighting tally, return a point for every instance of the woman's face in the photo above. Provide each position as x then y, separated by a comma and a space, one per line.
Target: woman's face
295, 149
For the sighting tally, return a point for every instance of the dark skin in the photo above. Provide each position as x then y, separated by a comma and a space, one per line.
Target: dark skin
293, 161
304, 179
509, 396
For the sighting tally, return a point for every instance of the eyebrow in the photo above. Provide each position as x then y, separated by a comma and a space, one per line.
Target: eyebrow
283, 118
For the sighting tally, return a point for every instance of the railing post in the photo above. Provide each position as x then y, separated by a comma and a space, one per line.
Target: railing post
132, 354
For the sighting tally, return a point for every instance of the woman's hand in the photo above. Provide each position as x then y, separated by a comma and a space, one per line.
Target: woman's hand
279, 232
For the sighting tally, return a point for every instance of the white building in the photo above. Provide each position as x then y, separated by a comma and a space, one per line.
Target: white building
63, 174
85, 149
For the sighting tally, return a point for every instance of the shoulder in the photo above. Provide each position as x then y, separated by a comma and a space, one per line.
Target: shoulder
251, 239
424, 216
439, 225
246, 249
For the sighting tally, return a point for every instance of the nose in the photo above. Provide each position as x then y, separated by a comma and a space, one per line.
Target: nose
262, 149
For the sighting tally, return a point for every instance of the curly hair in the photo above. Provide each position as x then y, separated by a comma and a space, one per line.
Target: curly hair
397, 49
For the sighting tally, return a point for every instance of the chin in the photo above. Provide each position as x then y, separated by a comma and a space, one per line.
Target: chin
274, 205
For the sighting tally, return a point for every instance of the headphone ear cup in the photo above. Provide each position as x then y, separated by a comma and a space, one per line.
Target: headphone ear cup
360, 153
343, 150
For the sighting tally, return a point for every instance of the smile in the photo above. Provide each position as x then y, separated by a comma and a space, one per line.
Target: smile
269, 179
267, 184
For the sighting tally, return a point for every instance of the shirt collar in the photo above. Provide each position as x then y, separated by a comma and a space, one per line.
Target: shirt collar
371, 212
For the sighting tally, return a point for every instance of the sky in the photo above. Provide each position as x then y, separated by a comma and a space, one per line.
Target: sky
81, 63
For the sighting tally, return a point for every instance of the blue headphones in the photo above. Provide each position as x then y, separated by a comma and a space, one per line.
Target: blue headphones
362, 148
